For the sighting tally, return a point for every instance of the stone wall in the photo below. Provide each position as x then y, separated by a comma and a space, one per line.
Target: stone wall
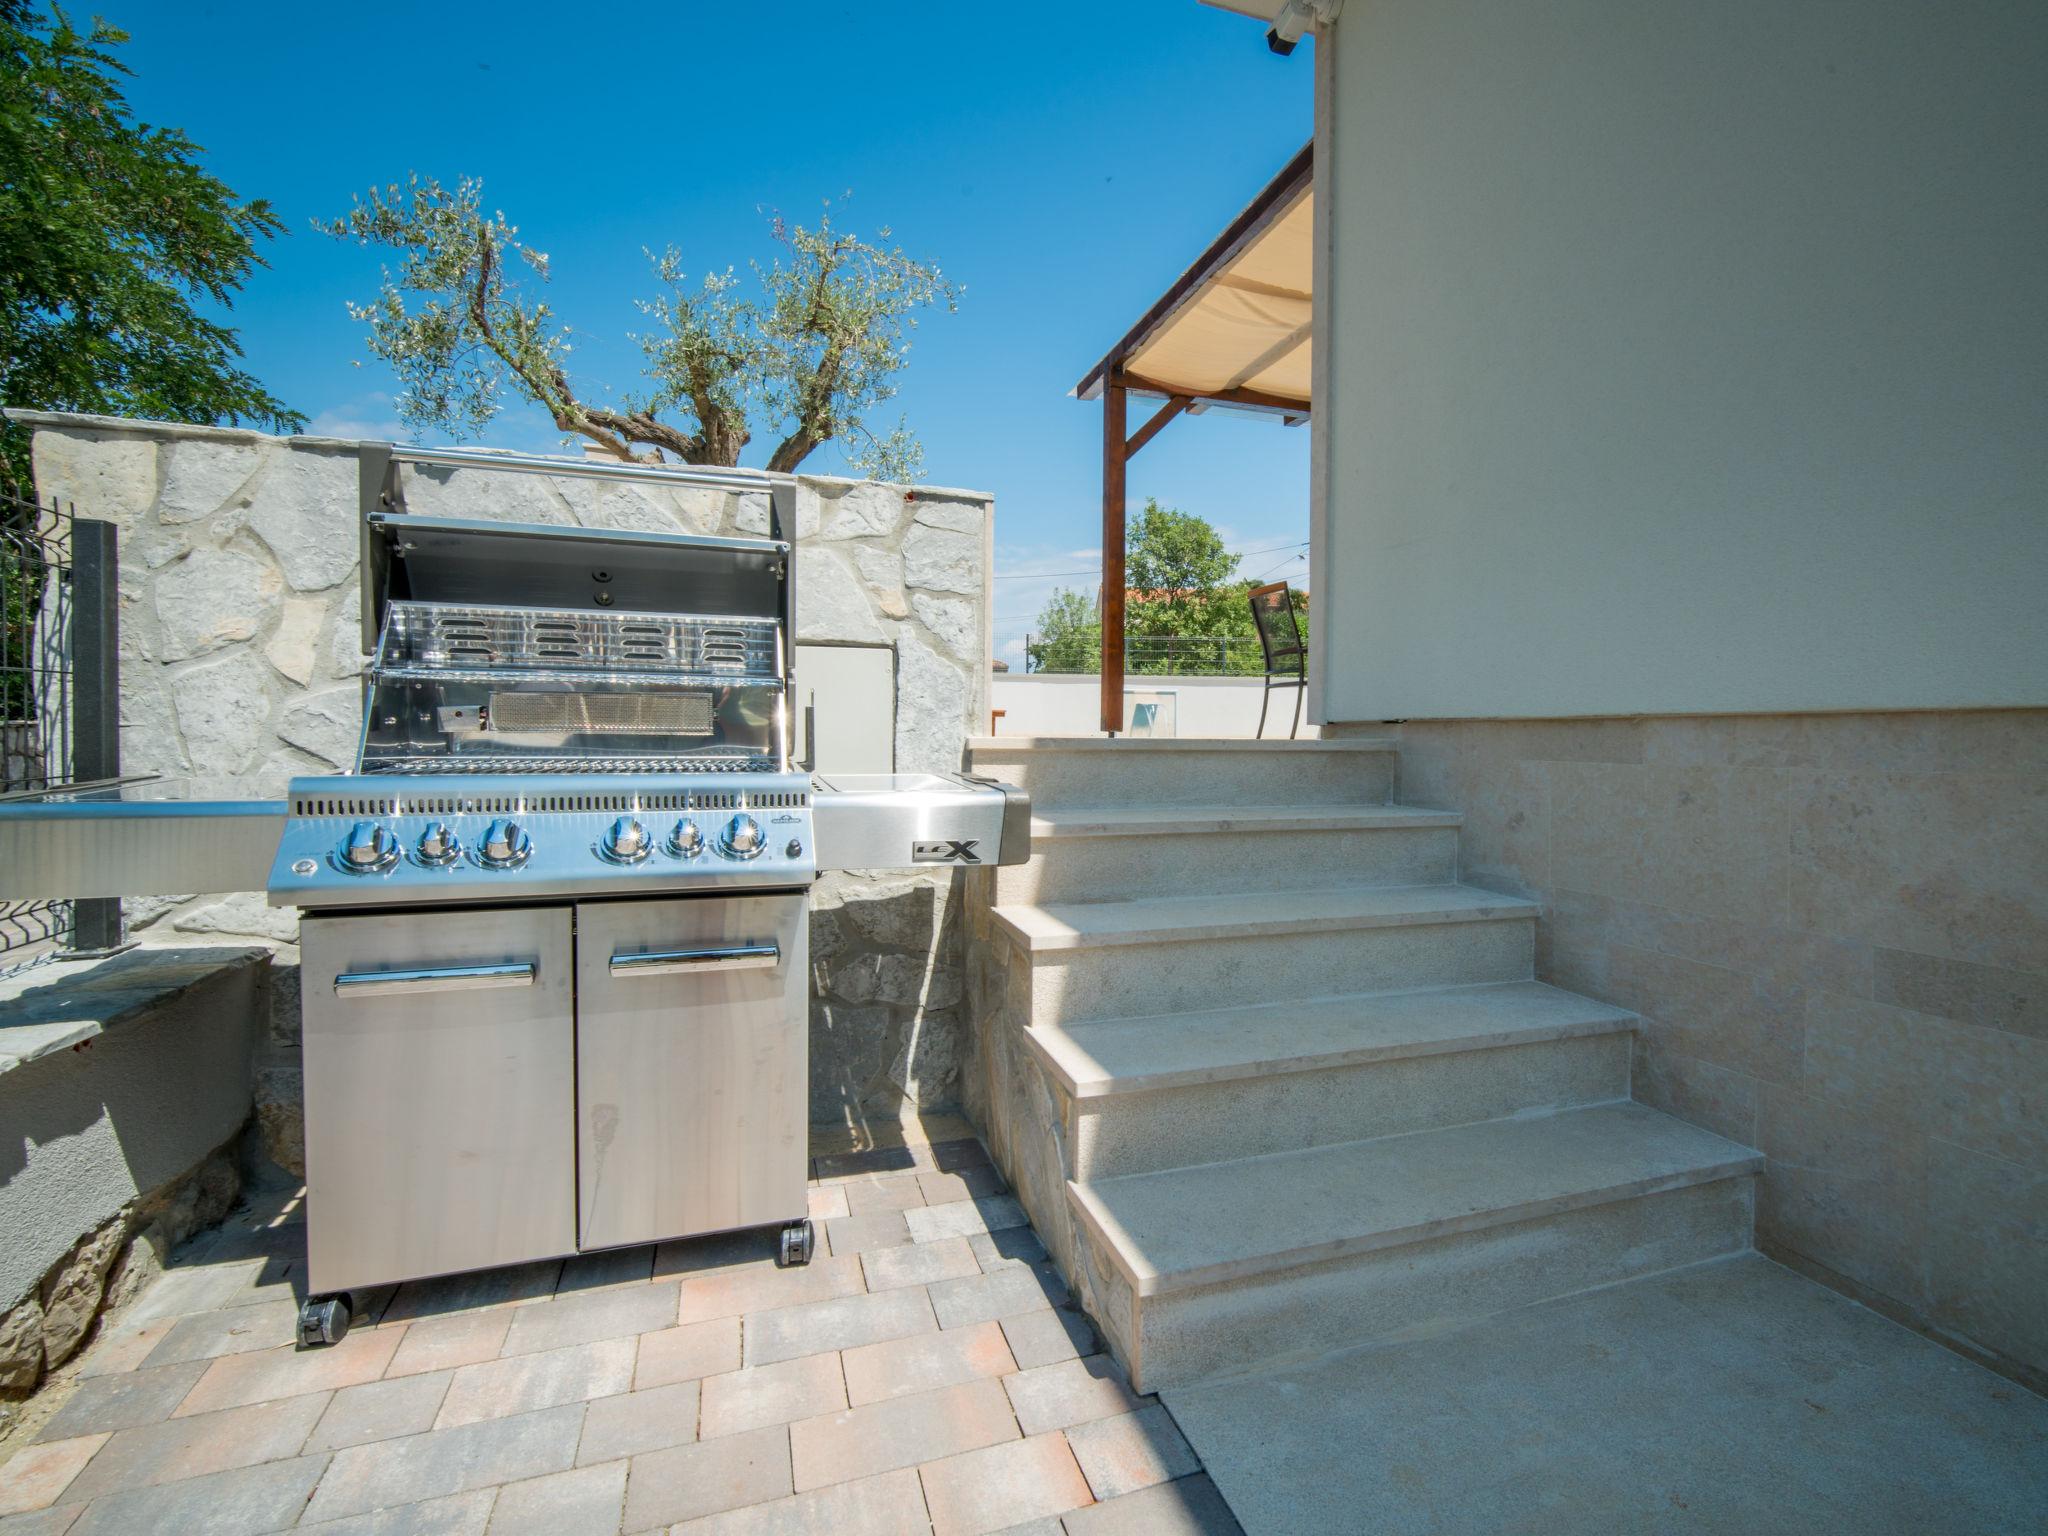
124, 1085
1836, 930
240, 653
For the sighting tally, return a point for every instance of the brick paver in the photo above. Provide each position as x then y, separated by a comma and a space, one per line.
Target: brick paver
1045, 1337
380, 1410
919, 1264
888, 1505
1002, 1486
103, 1404
1129, 1451
38, 1474
899, 1432
689, 1481
780, 1393
498, 1389
963, 1218
823, 1325
1071, 1392
442, 1343
419, 1467
927, 1374
688, 1352
872, 1197
634, 1423
587, 1501
903, 1367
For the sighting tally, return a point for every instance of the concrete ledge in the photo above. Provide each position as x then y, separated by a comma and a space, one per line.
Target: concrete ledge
65, 1003
124, 1074
1000, 746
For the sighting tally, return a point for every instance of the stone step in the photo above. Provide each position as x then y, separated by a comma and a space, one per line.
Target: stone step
1152, 1093
1137, 770
1209, 1268
1115, 959
1113, 853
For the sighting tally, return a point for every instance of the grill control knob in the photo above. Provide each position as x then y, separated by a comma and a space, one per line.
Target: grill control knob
626, 842
686, 841
741, 838
506, 845
438, 845
369, 849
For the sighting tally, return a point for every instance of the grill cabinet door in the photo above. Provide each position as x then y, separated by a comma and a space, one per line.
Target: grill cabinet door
692, 1058
439, 1058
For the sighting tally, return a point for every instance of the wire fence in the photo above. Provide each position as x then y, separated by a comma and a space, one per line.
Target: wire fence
36, 598
1149, 655
59, 699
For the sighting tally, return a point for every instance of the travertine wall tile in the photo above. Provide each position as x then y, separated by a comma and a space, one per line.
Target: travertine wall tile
1836, 929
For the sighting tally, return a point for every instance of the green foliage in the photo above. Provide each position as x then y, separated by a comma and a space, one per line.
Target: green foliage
22, 579
1069, 637
1185, 612
814, 353
110, 233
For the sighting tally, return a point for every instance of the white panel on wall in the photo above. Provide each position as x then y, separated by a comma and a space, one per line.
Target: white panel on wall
1686, 358
851, 691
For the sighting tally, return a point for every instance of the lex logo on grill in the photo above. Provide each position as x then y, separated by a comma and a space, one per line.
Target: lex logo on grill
951, 851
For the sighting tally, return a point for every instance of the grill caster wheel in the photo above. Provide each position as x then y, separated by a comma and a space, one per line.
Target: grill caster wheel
797, 1240
324, 1320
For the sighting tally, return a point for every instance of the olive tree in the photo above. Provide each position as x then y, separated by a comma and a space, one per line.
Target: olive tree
809, 348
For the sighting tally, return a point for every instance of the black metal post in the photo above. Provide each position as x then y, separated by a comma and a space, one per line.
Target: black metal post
96, 922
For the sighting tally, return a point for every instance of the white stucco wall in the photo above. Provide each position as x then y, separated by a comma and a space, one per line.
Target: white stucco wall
1683, 358
1070, 704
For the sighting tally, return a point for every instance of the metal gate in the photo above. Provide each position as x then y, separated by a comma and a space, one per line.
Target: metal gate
60, 714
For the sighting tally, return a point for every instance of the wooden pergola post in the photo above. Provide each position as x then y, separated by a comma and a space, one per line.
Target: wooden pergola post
1115, 454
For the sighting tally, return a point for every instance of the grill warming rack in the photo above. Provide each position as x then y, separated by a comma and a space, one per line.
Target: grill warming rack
450, 638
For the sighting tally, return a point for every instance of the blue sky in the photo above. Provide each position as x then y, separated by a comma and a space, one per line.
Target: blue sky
1061, 162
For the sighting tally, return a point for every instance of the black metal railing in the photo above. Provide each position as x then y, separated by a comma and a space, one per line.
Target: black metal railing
60, 711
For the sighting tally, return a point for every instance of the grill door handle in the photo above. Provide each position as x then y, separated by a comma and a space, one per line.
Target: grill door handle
674, 962
439, 978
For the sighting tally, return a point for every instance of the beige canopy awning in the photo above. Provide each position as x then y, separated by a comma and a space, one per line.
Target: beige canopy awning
1232, 331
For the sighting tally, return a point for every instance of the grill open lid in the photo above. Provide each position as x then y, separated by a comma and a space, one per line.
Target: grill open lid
451, 560
460, 560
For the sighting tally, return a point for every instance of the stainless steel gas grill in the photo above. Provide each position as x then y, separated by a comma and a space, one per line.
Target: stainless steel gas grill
555, 923
554, 951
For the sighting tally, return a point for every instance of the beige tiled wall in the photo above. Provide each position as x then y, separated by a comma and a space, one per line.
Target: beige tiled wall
1836, 929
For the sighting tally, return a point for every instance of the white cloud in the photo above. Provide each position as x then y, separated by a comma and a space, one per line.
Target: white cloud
367, 416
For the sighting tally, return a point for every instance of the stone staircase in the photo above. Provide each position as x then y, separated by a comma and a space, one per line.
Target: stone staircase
1271, 1081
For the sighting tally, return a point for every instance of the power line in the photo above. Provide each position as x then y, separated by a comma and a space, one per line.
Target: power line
1096, 570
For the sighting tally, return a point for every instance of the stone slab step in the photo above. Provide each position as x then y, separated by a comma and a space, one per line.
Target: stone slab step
1194, 919
1131, 770
1212, 820
1105, 960
1115, 853
1113, 1057
1220, 1223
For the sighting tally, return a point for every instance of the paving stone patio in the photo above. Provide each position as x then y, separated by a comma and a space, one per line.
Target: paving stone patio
925, 1373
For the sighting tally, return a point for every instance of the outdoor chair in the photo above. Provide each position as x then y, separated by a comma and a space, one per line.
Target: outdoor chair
1286, 654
